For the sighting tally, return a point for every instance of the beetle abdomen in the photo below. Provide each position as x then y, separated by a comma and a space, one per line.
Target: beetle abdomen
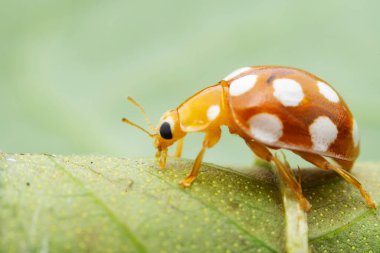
289, 108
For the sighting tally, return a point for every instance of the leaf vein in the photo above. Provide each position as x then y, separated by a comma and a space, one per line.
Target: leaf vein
122, 226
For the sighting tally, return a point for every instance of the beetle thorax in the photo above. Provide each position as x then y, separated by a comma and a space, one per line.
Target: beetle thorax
206, 109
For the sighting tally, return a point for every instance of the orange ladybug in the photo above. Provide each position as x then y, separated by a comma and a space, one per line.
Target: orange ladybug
270, 107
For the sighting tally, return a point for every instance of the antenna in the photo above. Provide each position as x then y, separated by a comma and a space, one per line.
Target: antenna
125, 120
130, 99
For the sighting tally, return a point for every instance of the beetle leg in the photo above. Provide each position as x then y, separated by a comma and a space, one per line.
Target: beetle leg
178, 151
284, 170
322, 163
187, 181
211, 138
347, 165
352, 180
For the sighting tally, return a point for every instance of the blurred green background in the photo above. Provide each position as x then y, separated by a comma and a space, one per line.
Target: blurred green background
66, 66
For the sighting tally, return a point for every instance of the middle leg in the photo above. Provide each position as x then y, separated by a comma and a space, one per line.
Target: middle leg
261, 151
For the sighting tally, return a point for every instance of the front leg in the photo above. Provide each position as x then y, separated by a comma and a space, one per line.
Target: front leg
178, 151
211, 138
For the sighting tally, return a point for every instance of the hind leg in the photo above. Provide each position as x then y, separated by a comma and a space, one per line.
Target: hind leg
283, 169
322, 163
347, 165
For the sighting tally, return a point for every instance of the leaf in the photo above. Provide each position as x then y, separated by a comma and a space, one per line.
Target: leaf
104, 204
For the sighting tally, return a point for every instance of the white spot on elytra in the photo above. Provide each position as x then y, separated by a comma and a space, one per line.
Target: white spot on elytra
288, 91
213, 112
323, 133
266, 127
236, 73
355, 133
242, 85
328, 92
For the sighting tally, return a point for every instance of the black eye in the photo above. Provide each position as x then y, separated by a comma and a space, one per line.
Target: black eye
165, 131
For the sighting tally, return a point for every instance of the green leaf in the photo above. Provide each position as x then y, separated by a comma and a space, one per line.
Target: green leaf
104, 204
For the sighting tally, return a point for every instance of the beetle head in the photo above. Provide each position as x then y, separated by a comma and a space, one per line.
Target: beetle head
168, 132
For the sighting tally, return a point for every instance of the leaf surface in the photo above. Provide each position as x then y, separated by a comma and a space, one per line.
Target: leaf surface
105, 204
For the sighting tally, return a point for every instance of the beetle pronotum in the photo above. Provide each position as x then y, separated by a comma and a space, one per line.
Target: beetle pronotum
270, 107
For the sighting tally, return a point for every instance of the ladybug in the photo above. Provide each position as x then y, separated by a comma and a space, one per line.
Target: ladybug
270, 107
